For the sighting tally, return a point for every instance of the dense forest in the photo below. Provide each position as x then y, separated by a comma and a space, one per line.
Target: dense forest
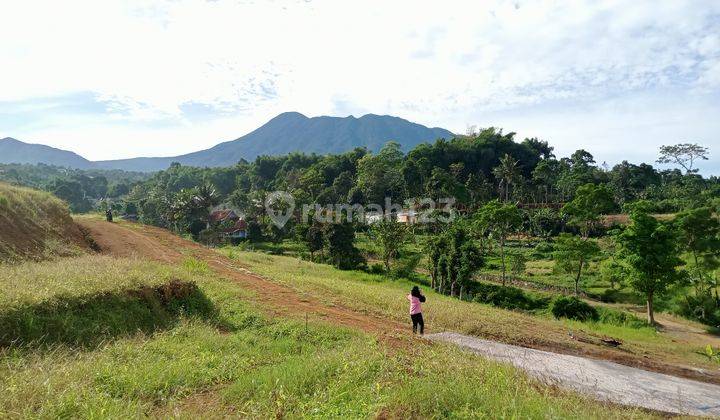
473, 169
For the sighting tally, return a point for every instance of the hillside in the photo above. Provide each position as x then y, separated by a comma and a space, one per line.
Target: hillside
294, 132
35, 225
288, 132
15, 151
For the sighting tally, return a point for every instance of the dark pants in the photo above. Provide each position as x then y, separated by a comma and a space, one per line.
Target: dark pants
418, 320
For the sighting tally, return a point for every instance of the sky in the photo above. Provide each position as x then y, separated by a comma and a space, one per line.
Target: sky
123, 78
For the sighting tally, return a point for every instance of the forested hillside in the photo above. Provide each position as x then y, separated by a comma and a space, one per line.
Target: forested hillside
516, 206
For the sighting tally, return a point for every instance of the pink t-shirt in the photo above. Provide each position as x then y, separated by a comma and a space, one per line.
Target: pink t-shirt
414, 305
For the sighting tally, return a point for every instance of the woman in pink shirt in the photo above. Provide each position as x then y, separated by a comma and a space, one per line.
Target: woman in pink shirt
415, 298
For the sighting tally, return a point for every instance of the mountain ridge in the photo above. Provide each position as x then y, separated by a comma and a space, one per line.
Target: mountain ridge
285, 133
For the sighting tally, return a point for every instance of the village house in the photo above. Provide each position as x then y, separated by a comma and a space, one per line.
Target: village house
230, 225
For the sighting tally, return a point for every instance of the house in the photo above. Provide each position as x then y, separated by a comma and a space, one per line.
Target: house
229, 224
408, 217
221, 216
237, 231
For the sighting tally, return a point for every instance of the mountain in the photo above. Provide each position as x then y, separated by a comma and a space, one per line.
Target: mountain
294, 132
15, 151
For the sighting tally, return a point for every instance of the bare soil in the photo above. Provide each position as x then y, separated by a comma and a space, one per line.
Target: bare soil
161, 245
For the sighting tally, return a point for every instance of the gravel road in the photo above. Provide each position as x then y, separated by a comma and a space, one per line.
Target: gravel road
602, 379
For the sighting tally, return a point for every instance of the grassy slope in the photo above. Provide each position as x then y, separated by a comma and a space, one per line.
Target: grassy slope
185, 360
375, 294
35, 225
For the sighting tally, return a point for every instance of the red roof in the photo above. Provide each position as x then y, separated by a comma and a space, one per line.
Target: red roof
220, 215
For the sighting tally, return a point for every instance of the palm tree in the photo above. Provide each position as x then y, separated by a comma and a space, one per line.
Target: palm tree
507, 172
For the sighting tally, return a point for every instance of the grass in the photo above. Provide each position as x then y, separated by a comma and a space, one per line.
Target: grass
375, 294
234, 361
35, 225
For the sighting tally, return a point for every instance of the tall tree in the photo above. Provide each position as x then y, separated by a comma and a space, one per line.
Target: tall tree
588, 206
506, 173
391, 235
500, 220
572, 254
683, 154
651, 251
340, 241
700, 235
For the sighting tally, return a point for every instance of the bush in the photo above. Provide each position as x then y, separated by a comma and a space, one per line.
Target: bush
506, 297
543, 249
573, 308
703, 308
405, 267
620, 318
376, 268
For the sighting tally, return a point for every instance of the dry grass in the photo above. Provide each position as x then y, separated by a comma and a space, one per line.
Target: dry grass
35, 225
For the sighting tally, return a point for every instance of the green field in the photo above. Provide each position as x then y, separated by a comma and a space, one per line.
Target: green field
211, 351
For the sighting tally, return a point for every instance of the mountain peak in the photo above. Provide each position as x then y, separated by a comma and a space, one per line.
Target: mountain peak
290, 115
285, 133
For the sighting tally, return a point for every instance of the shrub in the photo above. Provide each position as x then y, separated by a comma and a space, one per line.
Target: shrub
405, 267
376, 268
573, 308
517, 263
506, 297
704, 308
620, 318
543, 249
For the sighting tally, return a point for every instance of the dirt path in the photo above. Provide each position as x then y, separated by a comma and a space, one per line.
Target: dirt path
160, 245
604, 380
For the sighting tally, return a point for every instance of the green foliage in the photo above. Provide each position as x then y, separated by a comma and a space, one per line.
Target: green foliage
573, 308
572, 253
590, 203
700, 235
380, 176
389, 235
454, 258
613, 272
684, 154
507, 297
650, 249
499, 220
619, 318
340, 243
518, 262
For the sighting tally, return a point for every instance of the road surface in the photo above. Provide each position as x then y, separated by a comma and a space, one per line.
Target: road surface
602, 379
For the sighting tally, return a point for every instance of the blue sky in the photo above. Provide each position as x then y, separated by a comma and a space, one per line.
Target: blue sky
118, 79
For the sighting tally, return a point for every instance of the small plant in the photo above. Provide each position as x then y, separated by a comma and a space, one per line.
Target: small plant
518, 262
712, 354
573, 308
196, 266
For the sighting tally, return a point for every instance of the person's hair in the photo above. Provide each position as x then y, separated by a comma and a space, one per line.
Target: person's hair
415, 292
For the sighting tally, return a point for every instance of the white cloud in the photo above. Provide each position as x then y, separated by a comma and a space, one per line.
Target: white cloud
439, 63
